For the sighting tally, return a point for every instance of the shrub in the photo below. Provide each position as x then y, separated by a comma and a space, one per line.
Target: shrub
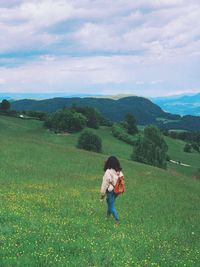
36, 114
89, 141
197, 174
121, 134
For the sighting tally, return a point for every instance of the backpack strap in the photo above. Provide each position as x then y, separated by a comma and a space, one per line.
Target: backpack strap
118, 174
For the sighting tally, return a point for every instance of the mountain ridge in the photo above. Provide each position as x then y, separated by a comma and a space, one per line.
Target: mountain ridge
145, 111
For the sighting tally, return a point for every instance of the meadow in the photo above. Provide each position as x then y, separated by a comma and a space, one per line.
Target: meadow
50, 213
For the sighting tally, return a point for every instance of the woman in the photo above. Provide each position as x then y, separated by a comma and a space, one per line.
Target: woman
112, 171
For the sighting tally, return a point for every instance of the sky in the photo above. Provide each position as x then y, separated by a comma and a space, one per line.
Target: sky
141, 47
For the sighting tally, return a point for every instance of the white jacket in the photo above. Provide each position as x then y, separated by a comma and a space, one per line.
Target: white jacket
109, 180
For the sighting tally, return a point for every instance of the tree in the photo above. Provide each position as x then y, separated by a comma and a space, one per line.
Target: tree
94, 118
129, 123
5, 105
195, 146
66, 121
89, 141
187, 148
151, 148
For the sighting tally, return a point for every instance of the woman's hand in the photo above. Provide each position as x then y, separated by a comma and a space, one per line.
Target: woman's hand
102, 198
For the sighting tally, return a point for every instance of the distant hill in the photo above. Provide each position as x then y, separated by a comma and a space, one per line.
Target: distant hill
40, 96
143, 109
182, 105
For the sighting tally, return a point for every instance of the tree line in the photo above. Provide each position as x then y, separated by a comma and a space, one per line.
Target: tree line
149, 148
192, 139
74, 119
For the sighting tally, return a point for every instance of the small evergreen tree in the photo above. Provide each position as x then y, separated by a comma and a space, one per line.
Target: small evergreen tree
89, 141
197, 174
5, 105
151, 148
173, 134
187, 148
129, 123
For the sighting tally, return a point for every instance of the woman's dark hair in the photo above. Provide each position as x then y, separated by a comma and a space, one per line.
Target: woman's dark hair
112, 163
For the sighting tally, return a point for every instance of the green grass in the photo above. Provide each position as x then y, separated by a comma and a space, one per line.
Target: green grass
176, 153
50, 213
166, 120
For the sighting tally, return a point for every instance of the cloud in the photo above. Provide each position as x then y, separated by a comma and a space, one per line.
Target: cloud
156, 81
107, 74
2, 81
38, 13
25, 26
160, 32
50, 72
140, 82
159, 28
54, 45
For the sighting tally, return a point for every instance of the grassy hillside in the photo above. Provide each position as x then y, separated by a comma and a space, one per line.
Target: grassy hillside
51, 214
176, 153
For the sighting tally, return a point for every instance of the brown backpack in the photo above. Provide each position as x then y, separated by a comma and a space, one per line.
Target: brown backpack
119, 187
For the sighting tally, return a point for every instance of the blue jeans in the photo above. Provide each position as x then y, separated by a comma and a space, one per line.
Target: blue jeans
111, 205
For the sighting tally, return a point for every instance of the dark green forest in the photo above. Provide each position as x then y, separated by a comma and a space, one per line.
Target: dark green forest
143, 109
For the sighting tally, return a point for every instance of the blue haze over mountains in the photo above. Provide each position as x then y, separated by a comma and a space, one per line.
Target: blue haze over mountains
182, 105
18, 96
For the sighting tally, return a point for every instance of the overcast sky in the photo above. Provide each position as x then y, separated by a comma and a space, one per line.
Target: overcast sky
141, 47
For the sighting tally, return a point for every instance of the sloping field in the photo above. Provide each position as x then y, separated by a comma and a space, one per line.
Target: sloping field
50, 213
176, 153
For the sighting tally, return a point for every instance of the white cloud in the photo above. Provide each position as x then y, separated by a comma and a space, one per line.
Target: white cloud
46, 13
160, 33
149, 38
114, 74
156, 81
2, 81
25, 25
120, 26
40, 13
69, 73
140, 82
